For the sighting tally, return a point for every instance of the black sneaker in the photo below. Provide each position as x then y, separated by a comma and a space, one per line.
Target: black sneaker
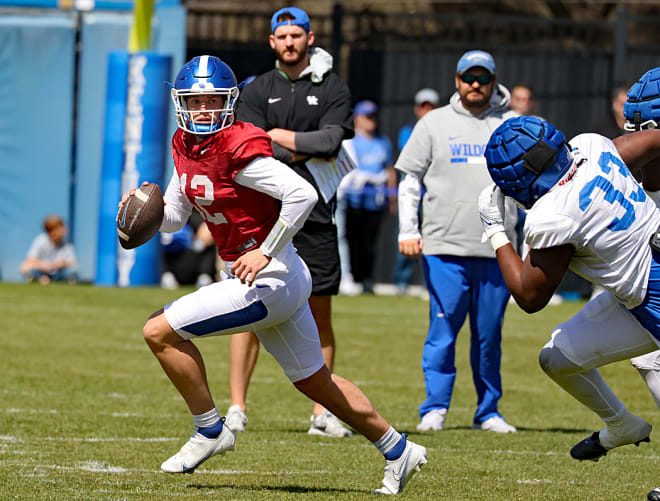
654, 495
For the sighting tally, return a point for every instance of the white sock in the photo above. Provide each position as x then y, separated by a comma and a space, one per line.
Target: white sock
207, 419
388, 441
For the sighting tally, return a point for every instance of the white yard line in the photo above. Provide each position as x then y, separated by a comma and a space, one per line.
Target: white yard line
99, 467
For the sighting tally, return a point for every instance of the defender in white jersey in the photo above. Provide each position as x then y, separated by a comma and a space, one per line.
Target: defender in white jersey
586, 212
642, 111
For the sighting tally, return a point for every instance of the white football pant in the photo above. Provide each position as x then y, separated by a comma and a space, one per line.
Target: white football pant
604, 331
274, 306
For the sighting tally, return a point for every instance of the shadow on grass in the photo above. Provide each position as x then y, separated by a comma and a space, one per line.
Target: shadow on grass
294, 489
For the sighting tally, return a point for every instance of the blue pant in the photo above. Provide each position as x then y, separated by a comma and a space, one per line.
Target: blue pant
458, 286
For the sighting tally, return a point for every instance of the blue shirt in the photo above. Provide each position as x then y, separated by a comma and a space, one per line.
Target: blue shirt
369, 187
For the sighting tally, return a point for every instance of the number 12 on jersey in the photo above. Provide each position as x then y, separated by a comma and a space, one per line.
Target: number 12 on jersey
202, 202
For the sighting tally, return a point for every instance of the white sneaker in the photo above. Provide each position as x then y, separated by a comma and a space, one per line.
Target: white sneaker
556, 300
236, 419
347, 287
197, 450
496, 424
168, 281
399, 471
326, 424
433, 420
203, 280
381, 289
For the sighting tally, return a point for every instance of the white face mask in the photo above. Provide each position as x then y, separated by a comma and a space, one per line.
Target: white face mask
221, 118
632, 127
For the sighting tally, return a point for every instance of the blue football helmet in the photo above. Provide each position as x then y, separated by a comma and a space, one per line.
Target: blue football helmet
527, 156
642, 109
204, 75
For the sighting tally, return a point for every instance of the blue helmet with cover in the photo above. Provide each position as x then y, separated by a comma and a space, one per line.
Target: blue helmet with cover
204, 75
527, 156
642, 109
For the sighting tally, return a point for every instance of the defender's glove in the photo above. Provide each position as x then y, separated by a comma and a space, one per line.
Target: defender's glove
491, 211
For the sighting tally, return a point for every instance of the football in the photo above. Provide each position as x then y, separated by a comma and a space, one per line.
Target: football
140, 217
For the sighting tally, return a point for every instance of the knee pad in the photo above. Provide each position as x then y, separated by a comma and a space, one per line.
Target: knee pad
554, 362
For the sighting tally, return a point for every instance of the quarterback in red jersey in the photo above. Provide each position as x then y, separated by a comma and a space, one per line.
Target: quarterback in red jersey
237, 216
253, 205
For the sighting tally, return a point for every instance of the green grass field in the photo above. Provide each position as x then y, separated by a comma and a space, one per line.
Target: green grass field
86, 412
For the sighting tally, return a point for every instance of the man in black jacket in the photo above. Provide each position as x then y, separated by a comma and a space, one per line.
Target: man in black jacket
306, 110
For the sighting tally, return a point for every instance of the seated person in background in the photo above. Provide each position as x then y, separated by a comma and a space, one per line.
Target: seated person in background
50, 256
189, 255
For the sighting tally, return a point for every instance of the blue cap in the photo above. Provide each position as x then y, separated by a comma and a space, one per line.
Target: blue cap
365, 107
300, 18
474, 58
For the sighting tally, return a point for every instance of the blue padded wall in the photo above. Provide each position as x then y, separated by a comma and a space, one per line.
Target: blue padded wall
38, 149
36, 129
103, 32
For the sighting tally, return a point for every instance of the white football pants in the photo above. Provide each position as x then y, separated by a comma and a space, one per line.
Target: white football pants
604, 331
274, 306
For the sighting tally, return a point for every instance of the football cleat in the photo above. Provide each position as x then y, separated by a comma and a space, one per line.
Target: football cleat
588, 449
599, 443
654, 495
399, 471
198, 449
433, 420
236, 419
326, 424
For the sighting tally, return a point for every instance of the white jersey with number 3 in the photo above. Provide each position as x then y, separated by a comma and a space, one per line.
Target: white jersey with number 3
604, 214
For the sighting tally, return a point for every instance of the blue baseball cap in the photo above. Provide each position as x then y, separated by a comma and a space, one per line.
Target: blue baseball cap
365, 107
474, 58
300, 18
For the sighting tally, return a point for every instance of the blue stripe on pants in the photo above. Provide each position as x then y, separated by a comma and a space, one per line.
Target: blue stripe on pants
245, 316
458, 286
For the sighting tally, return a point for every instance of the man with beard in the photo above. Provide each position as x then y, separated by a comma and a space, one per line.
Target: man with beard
306, 110
445, 155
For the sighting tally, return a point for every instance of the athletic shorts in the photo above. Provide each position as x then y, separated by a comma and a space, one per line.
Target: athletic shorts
317, 244
275, 307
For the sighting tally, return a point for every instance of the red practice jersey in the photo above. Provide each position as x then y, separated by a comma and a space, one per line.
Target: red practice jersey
239, 218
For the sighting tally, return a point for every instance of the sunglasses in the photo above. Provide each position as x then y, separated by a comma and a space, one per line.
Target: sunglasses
482, 79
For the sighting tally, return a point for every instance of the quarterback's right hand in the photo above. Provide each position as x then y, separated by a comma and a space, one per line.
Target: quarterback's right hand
411, 247
130, 193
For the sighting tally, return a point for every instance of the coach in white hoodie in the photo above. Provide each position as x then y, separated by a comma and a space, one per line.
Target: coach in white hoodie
445, 155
